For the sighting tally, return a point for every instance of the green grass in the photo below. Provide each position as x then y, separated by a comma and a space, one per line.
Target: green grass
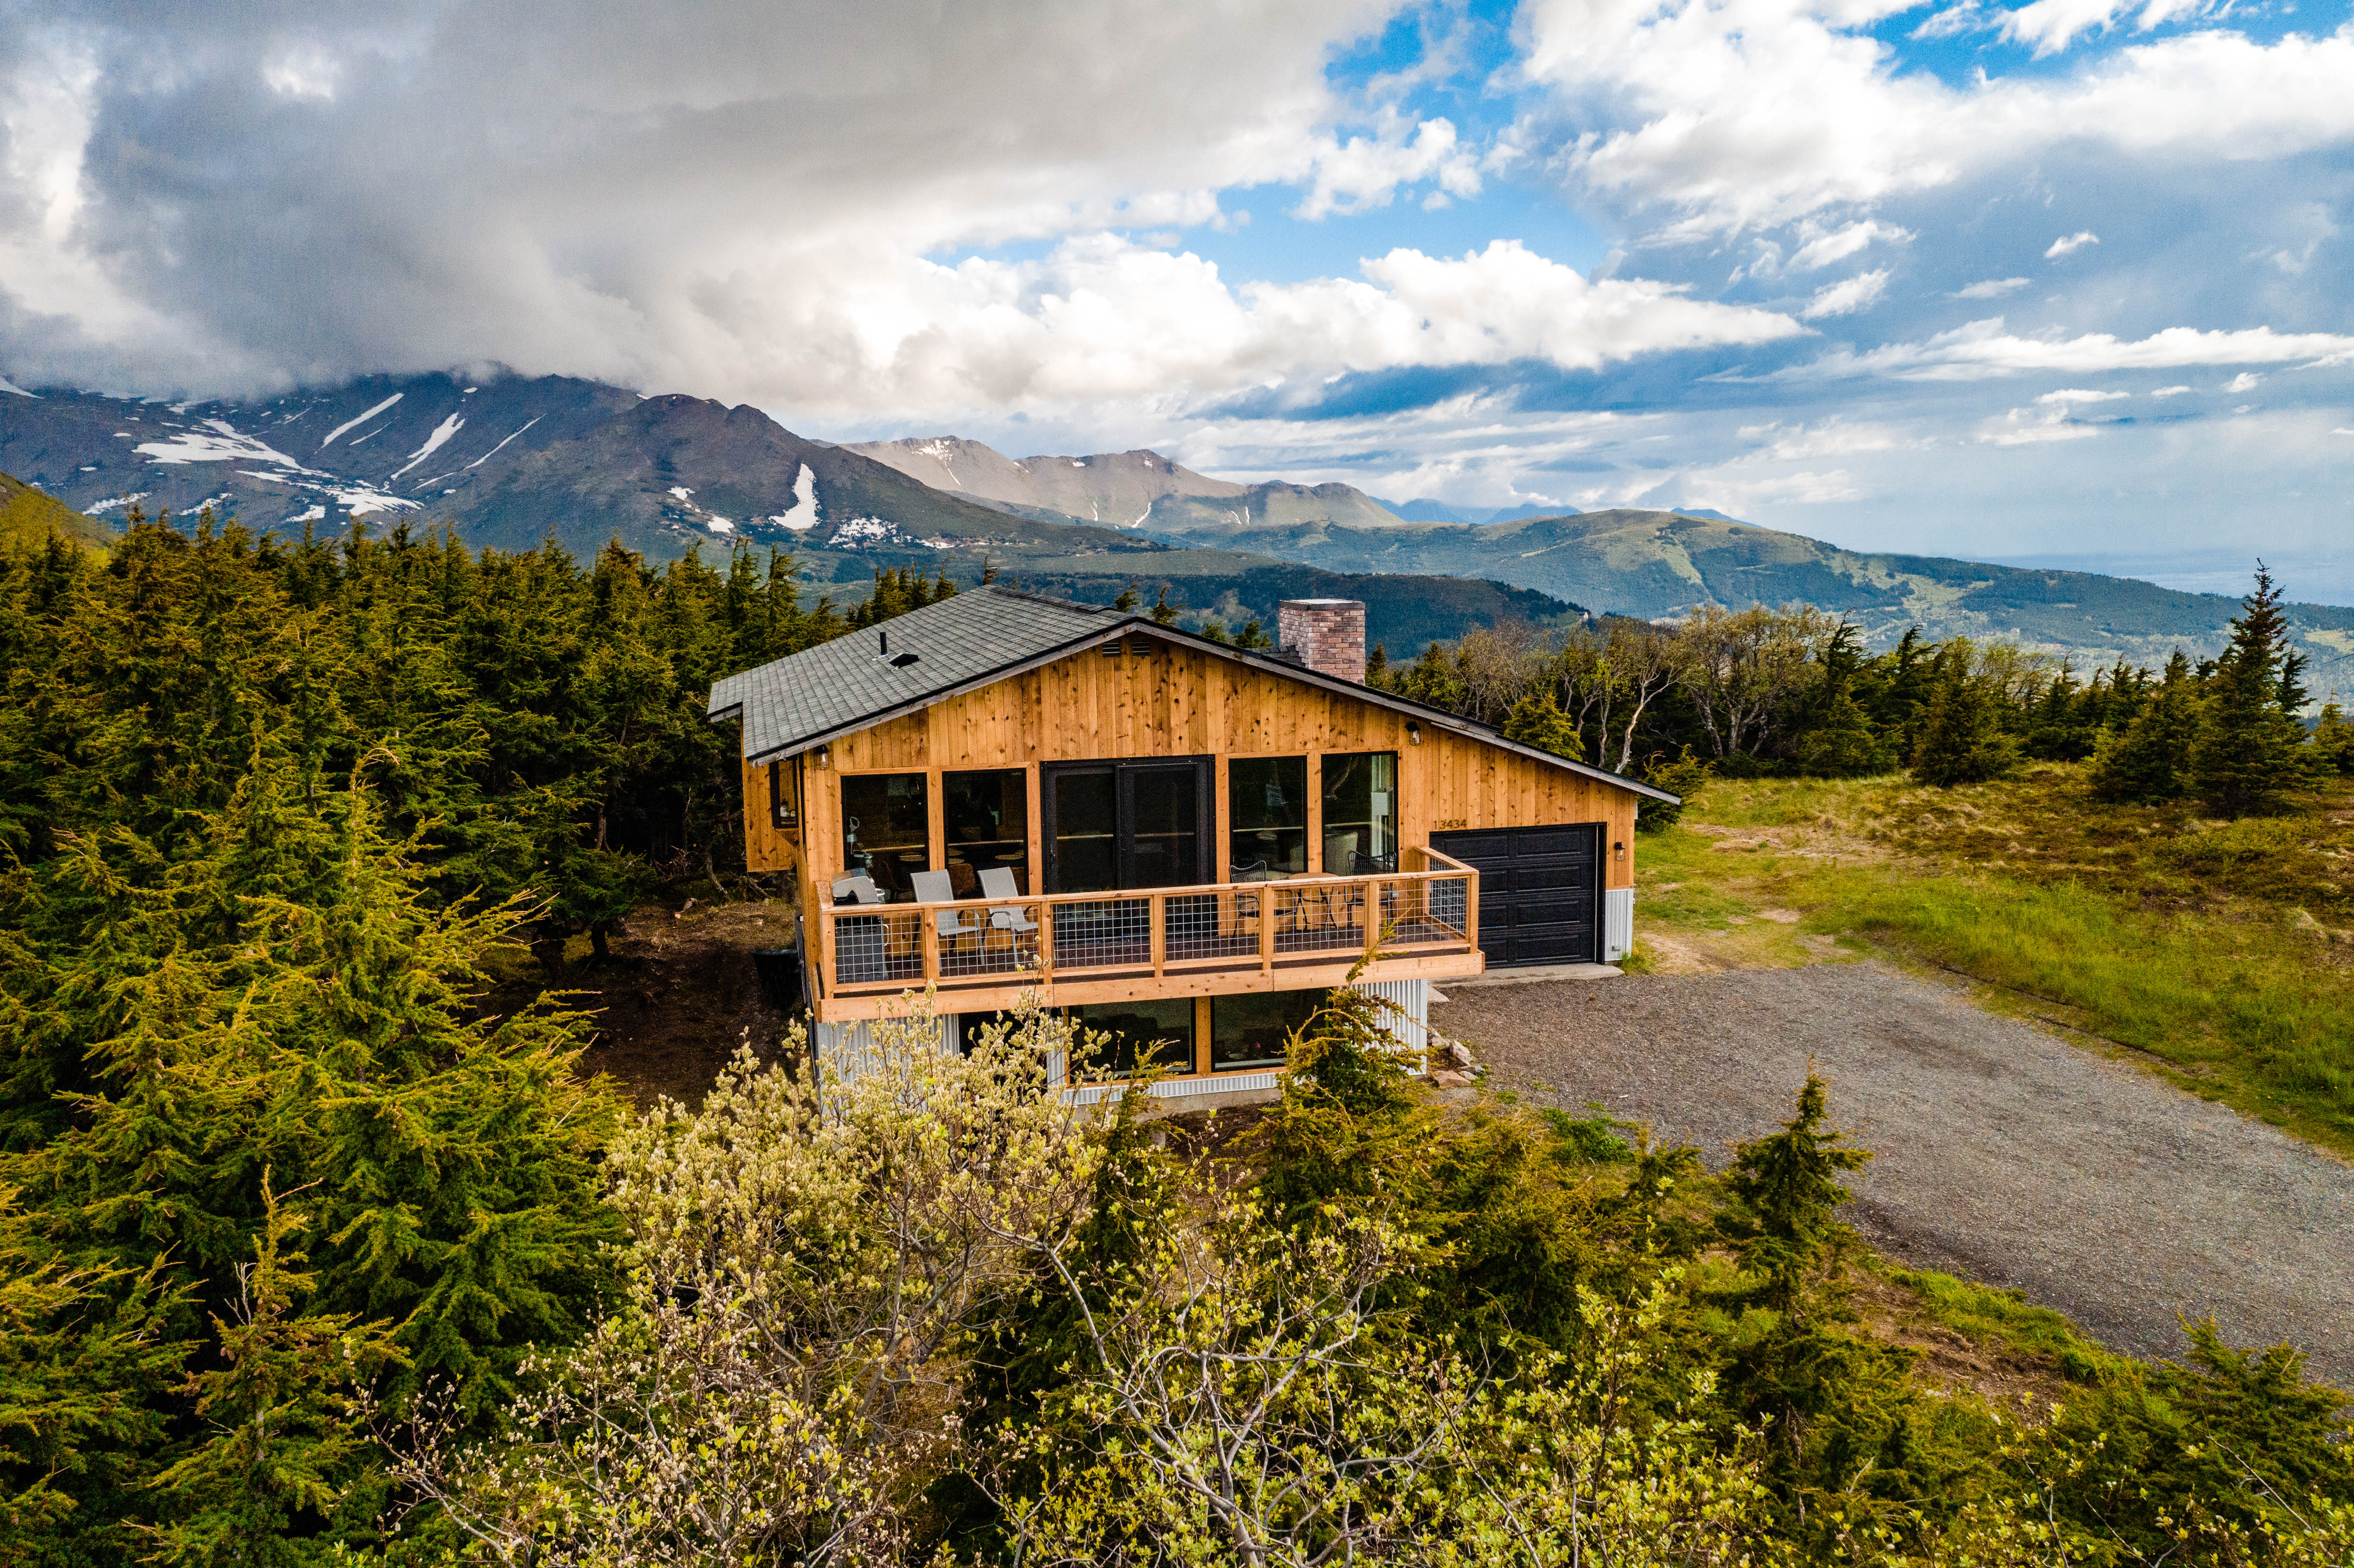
2240, 1009
2215, 952
1984, 1313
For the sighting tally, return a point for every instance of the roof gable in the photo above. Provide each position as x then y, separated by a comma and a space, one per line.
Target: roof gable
988, 634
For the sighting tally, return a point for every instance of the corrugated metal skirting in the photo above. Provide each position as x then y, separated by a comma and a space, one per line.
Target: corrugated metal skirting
1617, 923
1408, 1013
847, 1050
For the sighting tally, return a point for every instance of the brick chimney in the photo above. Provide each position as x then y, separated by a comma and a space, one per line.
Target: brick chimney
1327, 634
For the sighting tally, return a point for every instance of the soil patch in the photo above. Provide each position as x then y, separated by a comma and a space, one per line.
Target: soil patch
675, 998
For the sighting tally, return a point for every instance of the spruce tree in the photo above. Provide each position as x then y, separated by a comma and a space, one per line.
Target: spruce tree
1537, 720
1843, 744
1961, 737
2149, 758
2247, 750
2333, 739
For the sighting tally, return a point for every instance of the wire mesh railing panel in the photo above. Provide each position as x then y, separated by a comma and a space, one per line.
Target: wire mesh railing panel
1098, 934
1447, 904
1211, 926
1002, 940
870, 950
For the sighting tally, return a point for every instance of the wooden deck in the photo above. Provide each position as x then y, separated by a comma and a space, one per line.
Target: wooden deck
1296, 933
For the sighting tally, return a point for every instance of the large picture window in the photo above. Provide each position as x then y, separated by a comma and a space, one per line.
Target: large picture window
1266, 816
1159, 1033
986, 819
1360, 812
886, 828
1252, 1029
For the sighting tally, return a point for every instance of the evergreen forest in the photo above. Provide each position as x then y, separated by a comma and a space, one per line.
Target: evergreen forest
310, 1255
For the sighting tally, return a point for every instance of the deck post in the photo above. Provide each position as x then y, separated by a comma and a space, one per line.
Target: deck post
1157, 912
1266, 927
929, 927
1045, 941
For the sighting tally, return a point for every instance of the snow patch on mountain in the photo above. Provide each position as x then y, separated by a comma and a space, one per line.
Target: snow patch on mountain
364, 500
347, 424
719, 525
218, 441
9, 386
802, 515
494, 451
95, 507
682, 491
441, 432
861, 531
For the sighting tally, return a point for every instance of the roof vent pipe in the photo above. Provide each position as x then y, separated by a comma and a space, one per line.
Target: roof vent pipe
1328, 634
885, 637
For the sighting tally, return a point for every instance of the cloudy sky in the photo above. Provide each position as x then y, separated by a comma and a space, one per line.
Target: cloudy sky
2065, 280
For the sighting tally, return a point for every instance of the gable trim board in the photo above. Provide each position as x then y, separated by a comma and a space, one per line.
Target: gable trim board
855, 661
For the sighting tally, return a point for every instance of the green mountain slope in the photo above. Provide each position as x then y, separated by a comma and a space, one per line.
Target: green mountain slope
1664, 564
29, 516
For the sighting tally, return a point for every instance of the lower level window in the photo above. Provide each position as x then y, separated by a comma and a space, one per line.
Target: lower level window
971, 1025
1252, 1030
1155, 1032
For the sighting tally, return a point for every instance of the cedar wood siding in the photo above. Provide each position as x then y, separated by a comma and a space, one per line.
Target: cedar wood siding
1183, 702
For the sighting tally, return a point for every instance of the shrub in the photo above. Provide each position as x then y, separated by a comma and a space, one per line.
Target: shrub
1683, 776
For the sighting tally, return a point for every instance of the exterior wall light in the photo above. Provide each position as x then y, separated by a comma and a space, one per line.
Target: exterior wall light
1413, 731
1619, 850
824, 755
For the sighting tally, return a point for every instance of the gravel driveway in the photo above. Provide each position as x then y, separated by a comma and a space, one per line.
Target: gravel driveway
2003, 1152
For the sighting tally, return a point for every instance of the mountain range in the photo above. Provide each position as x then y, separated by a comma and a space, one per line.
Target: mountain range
507, 460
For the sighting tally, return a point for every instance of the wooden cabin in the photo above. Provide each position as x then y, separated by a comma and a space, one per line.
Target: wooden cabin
1183, 841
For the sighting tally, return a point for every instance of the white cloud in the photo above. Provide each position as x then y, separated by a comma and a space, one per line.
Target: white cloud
1364, 172
1699, 115
2080, 394
1821, 248
1738, 493
1833, 437
2051, 25
2028, 427
2169, 391
1849, 295
1984, 349
2069, 244
1990, 289
2246, 381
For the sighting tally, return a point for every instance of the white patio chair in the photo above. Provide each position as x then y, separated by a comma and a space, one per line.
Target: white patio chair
860, 889
937, 887
997, 881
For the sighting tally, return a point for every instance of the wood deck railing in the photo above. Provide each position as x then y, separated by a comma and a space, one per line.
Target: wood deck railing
1244, 928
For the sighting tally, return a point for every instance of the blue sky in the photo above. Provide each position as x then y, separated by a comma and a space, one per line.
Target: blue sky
2066, 280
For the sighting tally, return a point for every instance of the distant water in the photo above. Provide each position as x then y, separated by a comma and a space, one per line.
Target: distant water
2310, 579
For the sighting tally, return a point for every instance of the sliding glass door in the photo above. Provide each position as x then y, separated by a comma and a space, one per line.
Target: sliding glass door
1112, 825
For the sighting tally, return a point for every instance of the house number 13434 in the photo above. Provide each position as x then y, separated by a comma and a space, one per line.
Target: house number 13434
1446, 822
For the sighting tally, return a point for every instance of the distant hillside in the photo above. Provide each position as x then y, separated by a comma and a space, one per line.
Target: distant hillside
27, 516
1403, 613
508, 460
1124, 490
1664, 564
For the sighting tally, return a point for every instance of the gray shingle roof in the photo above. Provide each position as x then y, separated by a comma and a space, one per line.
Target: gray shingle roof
851, 682
981, 635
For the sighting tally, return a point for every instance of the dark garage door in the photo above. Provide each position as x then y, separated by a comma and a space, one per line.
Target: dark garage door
1539, 895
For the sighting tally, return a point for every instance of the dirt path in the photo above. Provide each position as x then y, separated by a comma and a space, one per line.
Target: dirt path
2003, 1153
